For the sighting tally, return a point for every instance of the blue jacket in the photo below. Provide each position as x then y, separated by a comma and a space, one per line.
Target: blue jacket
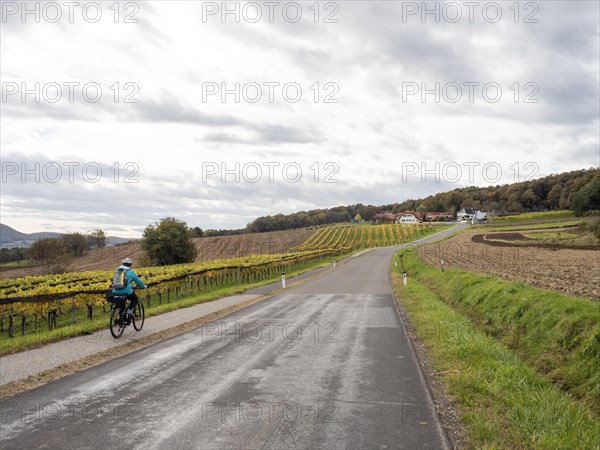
131, 276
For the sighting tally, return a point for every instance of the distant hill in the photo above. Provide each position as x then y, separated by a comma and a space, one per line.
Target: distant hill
9, 237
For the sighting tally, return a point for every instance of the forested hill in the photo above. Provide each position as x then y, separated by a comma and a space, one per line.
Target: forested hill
548, 193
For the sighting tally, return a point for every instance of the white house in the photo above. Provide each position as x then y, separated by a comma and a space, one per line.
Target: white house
408, 218
465, 215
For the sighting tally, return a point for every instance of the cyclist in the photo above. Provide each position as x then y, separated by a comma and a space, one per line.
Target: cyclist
128, 289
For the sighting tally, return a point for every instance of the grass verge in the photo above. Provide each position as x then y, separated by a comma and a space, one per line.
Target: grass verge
557, 335
502, 402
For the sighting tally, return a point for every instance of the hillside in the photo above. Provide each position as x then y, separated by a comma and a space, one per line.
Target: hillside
552, 192
9, 237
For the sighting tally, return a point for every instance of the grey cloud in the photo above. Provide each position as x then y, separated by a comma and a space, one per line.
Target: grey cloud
172, 110
266, 135
276, 134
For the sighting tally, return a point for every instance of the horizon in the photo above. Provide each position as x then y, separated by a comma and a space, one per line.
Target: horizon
293, 212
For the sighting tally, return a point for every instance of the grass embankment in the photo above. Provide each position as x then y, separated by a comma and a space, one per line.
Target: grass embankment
84, 326
521, 363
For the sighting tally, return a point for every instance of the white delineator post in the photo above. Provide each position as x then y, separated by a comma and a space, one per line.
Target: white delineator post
404, 278
334, 264
283, 280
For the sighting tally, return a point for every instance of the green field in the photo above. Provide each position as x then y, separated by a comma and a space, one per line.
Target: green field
551, 235
535, 216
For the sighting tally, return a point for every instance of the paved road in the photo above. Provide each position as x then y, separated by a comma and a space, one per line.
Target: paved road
327, 364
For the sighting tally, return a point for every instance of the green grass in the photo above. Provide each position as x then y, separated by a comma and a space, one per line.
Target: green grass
535, 216
24, 263
530, 226
503, 403
556, 334
84, 326
551, 235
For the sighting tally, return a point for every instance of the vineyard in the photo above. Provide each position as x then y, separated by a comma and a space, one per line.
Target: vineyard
36, 302
357, 237
208, 248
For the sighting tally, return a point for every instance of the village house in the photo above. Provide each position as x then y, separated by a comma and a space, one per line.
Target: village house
410, 217
465, 215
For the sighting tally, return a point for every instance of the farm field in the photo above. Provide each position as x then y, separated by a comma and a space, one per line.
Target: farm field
517, 256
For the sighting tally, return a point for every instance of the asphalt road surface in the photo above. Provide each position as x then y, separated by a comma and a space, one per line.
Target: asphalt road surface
326, 364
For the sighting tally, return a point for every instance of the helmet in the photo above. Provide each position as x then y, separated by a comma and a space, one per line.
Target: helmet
127, 262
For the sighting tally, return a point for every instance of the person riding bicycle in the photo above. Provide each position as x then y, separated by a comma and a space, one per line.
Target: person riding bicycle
128, 289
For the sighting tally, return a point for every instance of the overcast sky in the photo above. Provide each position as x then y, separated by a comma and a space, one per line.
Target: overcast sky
274, 107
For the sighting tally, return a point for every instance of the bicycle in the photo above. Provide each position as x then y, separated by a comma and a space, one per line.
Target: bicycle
119, 320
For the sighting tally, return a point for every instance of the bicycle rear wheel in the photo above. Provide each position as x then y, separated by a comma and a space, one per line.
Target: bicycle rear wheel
138, 317
117, 325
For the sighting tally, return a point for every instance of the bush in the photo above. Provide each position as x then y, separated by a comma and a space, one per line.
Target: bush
167, 242
587, 198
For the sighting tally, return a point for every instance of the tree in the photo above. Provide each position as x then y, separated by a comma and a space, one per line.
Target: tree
167, 242
198, 231
554, 196
587, 198
528, 199
96, 239
76, 243
50, 252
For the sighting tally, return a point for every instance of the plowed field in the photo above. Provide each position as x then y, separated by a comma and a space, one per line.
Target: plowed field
572, 271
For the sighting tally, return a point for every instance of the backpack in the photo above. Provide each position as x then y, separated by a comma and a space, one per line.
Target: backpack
120, 279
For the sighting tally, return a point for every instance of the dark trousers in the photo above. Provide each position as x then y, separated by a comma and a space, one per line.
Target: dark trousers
133, 300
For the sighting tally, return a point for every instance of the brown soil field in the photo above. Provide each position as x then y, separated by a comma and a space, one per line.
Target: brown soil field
573, 271
209, 248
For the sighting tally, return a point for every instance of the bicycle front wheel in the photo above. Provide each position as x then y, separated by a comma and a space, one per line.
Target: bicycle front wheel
138, 316
117, 325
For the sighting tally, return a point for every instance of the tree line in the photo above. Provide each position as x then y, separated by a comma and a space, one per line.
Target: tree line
56, 250
578, 190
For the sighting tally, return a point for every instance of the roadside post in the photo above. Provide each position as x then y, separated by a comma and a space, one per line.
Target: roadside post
404, 278
283, 280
